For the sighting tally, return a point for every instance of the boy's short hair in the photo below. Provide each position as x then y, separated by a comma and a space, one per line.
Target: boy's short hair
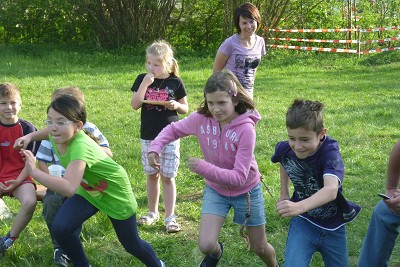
69, 90
10, 90
305, 114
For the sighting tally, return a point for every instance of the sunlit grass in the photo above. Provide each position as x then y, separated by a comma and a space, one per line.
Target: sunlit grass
361, 111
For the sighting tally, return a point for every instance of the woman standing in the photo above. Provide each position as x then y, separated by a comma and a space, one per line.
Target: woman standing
241, 53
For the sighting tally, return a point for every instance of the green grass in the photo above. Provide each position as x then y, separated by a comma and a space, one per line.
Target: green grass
361, 98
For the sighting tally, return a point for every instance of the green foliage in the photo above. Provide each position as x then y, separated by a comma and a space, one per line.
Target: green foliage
200, 26
361, 112
189, 24
42, 21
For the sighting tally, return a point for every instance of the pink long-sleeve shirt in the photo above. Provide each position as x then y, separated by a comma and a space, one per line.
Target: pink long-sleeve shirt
229, 165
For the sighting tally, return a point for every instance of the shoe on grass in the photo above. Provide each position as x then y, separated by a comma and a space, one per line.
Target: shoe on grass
60, 259
5, 243
209, 261
148, 219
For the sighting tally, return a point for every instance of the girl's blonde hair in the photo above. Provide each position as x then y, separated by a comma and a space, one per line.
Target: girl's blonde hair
226, 81
163, 51
69, 90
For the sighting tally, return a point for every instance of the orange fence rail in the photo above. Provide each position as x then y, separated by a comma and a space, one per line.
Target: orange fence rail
357, 41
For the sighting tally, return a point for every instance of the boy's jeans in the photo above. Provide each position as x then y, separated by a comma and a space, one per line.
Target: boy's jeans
381, 237
304, 239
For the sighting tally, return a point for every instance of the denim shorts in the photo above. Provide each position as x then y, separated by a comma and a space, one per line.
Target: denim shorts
169, 159
217, 204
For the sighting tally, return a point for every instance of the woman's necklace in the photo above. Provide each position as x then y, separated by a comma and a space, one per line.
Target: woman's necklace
158, 86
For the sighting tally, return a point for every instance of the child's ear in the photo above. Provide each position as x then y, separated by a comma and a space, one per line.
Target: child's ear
79, 126
322, 134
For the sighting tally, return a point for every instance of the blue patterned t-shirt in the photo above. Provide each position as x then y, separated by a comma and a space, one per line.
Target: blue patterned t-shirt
307, 178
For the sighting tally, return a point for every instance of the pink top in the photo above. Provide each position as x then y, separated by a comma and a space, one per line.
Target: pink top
229, 165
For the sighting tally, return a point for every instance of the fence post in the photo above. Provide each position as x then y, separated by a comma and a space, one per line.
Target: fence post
359, 41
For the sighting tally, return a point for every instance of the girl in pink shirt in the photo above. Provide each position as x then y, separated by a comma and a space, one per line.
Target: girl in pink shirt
225, 128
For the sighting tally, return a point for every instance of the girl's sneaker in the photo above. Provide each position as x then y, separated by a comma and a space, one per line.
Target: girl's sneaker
60, 259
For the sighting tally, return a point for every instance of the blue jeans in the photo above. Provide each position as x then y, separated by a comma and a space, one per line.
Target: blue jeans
51, 204
71, 216
381, 237
304, 239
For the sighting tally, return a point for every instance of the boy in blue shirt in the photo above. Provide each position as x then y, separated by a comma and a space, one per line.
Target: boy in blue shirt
317, 208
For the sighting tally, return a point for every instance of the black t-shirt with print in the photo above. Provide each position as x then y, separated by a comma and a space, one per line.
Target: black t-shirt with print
155, 117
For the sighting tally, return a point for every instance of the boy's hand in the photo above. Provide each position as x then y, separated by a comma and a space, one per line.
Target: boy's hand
2, 189
22, 142
12, 184
152, 157
287, 208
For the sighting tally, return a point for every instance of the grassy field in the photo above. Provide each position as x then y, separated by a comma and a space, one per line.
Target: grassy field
361, 98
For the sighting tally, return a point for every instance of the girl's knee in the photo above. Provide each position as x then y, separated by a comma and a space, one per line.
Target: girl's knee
207, 247
262, 248
258, 249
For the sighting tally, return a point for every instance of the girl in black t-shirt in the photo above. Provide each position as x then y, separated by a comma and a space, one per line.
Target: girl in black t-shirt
162, 95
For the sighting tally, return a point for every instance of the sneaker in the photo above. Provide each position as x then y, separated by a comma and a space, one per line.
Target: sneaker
60, 259
5, 243
2, 246
163, 264
209, 261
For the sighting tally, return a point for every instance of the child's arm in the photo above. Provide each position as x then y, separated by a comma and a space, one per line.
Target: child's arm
107, 150
23, 142
181, 106
137, 97
220, 62
42, 165
392, 182
284, 178
66, 186
328, 193
237, 175
393, 170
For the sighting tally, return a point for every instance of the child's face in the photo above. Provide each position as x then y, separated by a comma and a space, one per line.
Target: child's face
61, 129
9, 109
155, 66
221, 107
304, 142
247, 26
